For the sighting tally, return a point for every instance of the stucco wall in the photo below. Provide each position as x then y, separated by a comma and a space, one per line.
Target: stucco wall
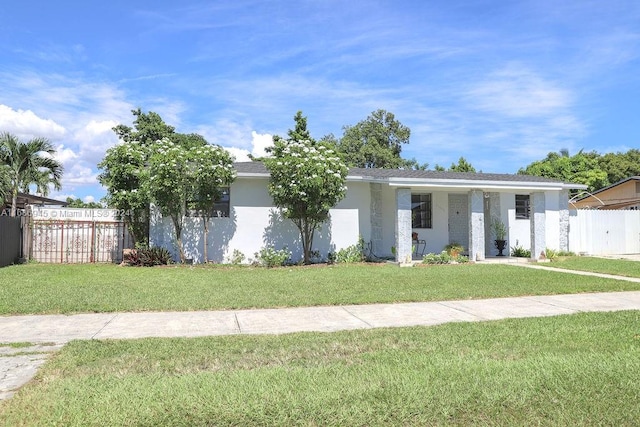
255, 223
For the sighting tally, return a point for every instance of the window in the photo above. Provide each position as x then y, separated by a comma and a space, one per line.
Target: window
523, 209
421, 210
220, 208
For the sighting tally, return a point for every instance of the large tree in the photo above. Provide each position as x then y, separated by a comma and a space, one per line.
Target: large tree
125, 167
307, 179
147, 128
28, 163
619, 166
462, 166
125, 170
581, 168
376, 142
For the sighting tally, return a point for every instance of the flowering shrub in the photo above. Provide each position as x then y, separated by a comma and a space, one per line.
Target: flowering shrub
307, 179
178, 174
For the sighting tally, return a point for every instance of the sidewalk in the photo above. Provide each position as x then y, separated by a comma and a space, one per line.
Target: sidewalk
60, 329
49, 332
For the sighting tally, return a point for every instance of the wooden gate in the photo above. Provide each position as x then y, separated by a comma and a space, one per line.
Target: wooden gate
78, 241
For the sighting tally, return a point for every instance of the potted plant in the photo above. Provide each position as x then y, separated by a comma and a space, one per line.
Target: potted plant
454, 249
500, 233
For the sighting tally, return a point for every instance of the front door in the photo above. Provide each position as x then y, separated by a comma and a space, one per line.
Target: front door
459, 220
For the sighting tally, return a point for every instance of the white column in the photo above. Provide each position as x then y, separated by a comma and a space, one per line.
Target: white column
476, 225
563, 207
538, 218
403, 225
376, 218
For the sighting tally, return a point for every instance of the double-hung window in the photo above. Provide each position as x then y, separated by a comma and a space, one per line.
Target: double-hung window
523, 208
421, 211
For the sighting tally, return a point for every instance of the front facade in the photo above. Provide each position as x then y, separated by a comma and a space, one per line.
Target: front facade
386, 208
624, 194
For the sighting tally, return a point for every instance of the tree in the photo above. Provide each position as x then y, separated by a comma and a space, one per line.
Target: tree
79, 203
147, 128
28, 163
306, 181
180, 176
581, 168
375, 142
619, 166
214, 170
125, 170
125, 167
462, 166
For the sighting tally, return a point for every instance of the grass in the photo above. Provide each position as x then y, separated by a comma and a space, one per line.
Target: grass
45, 288
582, 369
620, 267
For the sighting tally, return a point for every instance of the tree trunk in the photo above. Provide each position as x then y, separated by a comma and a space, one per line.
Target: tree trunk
14, 201
178, 227
205, 220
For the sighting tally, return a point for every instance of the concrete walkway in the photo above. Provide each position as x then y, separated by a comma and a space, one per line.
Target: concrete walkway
48, 333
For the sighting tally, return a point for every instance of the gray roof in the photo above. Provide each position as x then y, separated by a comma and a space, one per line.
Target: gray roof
259, 168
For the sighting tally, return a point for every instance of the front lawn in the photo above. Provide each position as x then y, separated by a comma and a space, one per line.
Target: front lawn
46, 288
620, 267
581, 369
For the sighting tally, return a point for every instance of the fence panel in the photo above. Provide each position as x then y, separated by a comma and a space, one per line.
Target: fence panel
604, 232
78, 241
10, 240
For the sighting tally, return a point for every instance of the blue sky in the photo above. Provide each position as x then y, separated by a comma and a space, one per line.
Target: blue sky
501, 83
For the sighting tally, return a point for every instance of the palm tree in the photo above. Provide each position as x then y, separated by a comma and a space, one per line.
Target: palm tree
25, 164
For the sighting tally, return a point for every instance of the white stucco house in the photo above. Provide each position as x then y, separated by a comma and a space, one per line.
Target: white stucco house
385, 206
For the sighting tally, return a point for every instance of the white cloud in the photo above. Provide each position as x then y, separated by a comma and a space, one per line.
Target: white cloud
516, 92
239, 154
260, 142
88, 199
26, 124
94, 139
64, 155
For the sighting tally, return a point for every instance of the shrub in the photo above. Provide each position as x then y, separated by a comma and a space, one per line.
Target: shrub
550, 254
149, 257
269, 257
443, 258
519, 251
351, 254
454, 249
237, 257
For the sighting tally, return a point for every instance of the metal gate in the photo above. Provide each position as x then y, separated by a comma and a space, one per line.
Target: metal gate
78, 241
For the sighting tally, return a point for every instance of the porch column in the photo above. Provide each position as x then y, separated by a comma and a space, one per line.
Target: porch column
538, 218
403, 225
563, 207
376, 218
476, 226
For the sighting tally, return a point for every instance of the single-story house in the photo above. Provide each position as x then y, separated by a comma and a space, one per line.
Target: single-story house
385, 207
623, 194
23, 200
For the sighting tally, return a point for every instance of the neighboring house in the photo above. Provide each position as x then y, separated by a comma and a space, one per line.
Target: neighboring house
24, 200
384, 207
624, 194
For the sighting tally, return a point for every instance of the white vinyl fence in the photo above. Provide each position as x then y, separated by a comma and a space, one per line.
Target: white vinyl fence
604, 232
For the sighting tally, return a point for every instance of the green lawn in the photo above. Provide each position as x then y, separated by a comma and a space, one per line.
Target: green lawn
581, 369
621, 267
43, 288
